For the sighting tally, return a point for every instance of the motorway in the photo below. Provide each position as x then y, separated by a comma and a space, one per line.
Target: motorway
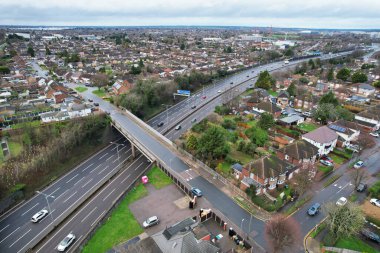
17, 233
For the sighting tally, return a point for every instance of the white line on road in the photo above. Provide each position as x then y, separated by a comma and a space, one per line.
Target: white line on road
100, 172
108, 194
109, 158
10, 234
88, 214
343, 187
55, 191
100, 158
19, 238
95, 221
87, 167
125, 179
70, 197
95, 168
61, 194
72, 178
139, 166
78, 181
4, 227
30, 209
87, 183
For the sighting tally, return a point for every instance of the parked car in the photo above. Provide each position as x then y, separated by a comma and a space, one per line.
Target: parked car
361, 187
306, 114
204, 97
196, 192
39, 216
327, 158
193, 107
219, 91
96, 104
314, 209
151, 222
375, 202
160, 124
247, 76
298, 110
178, 127
194, 120
231, 82
326, 163
90, 100
354, 148
374, 134
65, 243
358, 164
370, 235
341, 202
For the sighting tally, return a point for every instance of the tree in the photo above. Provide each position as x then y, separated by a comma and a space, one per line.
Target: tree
212, 144
330, 74
257, 135
182, 47
343, 74
359, 77
251, 191
47, 50
329, 98
289, 52
325, 113
4, 70
100, 80
135, 70
343, 221
282, 233
303, 179
358, 175
266, 121
292, 90
228, 50
229, 124
345, 114
31, 51
376, 84
265, 80
192, 142
311, 64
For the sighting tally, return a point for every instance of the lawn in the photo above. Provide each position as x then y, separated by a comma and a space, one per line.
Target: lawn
252, 123
99, 92
120, 227
307, 127
273, 93
224, 168
355, 243
337, 159
81, 89
243, 158
158, 178
325, 169
35, 123
15, 148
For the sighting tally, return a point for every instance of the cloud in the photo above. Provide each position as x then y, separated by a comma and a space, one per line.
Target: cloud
292, 13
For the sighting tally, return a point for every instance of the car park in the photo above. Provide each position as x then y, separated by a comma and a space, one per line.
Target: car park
358, 164
361, 187
151, 221
374, 134
178, 127
370, 235
196, 192
160, 124
375, 202
39, 216
65, 243
314, 209
325, 162
341, 201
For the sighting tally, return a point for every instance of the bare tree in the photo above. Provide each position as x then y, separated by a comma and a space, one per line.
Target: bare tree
303, 179
358, 175
282, 233
365, 141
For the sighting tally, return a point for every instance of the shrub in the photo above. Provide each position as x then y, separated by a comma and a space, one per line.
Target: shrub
375, 190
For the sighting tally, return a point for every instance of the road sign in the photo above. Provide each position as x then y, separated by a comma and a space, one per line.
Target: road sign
183, 92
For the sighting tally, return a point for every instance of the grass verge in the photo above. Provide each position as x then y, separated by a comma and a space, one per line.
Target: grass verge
354, 243
318, 230
158, 178
99, 92
297, 205
81, 89
120, 227
331, 180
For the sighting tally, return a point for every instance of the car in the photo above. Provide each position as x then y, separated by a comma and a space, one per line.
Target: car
178, 127
306, 114
194, 120
341, 202
160, 124
361, 187
196, 192
353, 148
231, 82
326, 163
358, 164
374, 134
370, 235
65, 243
151, 221
39, 216
204, 97
90, 100
247, 76
327, 158
96, 104
284, 112
193, 107
375, 202
314, 209
298, 110
219, 91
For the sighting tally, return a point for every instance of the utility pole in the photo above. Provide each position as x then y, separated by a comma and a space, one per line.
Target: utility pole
117, 149
46, 197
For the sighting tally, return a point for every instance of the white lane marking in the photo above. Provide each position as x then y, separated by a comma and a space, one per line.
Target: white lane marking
95, 221
113, 148
88, 214
77, 240
61, 194
10, 234
55, 191
109, 158
72, 178
30, 209
95, 168
100, 158
343, 187
139, 166
125, 179
100, 172
19, 238
108, 195
87, 167
77, 182
4, 227
70, 197
87, 183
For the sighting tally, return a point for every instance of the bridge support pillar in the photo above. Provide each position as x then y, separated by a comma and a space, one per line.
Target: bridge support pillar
133, 151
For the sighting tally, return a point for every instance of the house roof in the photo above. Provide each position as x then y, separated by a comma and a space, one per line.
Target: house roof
269, 107
291, 119
178, 227
269, 166
300, 150
321, 135
283, 94
237, 166
344, 126
365, 86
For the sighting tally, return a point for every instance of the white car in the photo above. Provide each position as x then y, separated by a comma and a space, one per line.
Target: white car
341, 202
151, 222
374, 134
375, 202
219, 91
65, 243
358, 164
39, 216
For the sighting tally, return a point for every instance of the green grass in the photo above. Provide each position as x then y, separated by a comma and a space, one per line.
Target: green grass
81, 89
15, 148
298, 204
353, 197
307, 127
273, 93
243, 158
337, 159
120, 227
35, 123
252, 123
224, 168
325, 169
158, 178
318, 230
99, 92
355, 243
331, 180
343, 153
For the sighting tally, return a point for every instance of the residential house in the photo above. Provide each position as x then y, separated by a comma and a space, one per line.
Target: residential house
78, 110
306, 101
237, 169
323, 138
269, 108
369, 119
321, 88
342, 93
363, 89
54, 116
291, 120
347, 131
121, 87
298, 153
283, 99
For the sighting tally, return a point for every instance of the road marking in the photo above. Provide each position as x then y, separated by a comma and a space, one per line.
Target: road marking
88, 214
87, 183
125, 179
79, 181
109, 158
100, 172
343, 187
9, 234
4, 227
139, 166
72, 178
108, 194
95, 168
61, 194
87, 167
100, 158
55, 191
95, 221
70, 197
19, 238
29, 209
77, 240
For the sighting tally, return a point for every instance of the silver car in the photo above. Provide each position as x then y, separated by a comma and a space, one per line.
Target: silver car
65, 243
39, 216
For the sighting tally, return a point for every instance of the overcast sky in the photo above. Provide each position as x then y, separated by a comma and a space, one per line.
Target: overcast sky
277, 13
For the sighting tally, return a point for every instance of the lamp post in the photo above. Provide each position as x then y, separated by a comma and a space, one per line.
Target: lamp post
167, 114
117, 149
46, 197
241, 224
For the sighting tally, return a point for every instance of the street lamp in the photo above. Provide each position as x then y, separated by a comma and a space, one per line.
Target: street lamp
241, 224
167, 114
46, 197
117, 149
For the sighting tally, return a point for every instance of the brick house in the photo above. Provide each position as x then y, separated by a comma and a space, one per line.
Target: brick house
298, 153
269, 108
121, 87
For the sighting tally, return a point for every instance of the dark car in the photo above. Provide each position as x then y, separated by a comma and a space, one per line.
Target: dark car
370, 235
361, 187
90, 100
193, 107
160, 124
96, 104
196, 192
314, 209
231, 82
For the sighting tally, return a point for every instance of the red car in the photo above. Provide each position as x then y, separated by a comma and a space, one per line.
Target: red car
204, 97
327, 158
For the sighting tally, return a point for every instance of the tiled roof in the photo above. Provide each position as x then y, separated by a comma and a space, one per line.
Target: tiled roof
322, 135
269, 166
300, 150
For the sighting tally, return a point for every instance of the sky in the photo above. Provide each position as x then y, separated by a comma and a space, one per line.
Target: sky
339, 14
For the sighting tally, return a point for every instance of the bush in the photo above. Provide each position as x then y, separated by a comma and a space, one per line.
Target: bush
373, 220
375, 190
